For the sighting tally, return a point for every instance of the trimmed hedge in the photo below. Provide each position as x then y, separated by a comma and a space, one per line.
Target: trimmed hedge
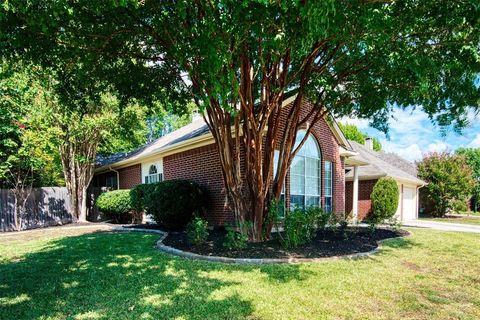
117, 205
384, 197
171, 203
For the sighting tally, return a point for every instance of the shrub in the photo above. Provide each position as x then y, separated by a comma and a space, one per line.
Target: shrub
322, 220
384, 197
235, 240
117, 205
300, 226
197, 231
172, 203
138, 195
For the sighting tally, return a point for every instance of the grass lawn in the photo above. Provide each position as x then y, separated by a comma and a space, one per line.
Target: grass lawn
64, 275
472, 219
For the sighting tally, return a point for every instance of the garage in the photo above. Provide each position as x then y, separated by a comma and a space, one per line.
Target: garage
409, 204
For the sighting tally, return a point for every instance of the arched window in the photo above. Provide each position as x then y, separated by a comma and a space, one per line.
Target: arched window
153, 169
305, 174
153, 175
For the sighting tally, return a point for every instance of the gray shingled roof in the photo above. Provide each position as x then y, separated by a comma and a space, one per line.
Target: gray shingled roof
383, 164
192, 130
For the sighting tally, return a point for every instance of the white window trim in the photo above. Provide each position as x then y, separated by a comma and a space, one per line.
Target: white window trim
325, 196
148, 177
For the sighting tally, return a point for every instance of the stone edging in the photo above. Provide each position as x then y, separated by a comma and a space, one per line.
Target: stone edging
194, 256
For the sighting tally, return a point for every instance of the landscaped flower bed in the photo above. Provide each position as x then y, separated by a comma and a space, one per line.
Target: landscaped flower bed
326, 244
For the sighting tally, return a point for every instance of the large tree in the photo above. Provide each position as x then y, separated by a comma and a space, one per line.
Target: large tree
238, 59
449, 180
472, 156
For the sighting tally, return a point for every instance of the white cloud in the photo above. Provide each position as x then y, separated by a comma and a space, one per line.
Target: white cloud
438, 147
411, 153
475, 142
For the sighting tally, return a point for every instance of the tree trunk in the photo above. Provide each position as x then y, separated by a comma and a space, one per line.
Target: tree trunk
79, 173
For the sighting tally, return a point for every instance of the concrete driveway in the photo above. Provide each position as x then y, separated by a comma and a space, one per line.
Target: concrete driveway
445, 226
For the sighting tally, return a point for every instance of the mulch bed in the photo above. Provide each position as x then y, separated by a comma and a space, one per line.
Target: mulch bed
326, 244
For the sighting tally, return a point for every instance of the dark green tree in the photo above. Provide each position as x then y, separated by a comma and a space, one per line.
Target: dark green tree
472, 156
237, 61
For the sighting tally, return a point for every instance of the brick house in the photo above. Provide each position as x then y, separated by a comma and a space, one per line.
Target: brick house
316, 177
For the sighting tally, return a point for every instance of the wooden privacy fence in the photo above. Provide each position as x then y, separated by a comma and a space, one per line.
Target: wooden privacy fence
44, 207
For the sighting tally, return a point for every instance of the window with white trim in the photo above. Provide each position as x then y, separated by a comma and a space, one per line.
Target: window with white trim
328, 183
305, 174
153, 175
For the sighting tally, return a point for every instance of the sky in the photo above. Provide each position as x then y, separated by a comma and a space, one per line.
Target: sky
412, 134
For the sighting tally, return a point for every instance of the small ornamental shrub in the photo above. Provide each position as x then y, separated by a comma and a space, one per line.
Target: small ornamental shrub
384, 197
235, 240
273, 217
172, 203
299, 227
322, 220
117, 205
343, 226
197, 232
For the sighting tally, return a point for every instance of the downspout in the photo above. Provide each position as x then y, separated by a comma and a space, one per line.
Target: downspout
418, 198
118, 177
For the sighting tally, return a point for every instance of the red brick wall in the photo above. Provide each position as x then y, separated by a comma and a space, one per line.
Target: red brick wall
365, 188
202, 165
130, 176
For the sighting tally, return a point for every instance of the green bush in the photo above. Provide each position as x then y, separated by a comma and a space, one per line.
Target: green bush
197, 231
138, 195
235, 240
117, 205
384, 197
300, 226
173, 203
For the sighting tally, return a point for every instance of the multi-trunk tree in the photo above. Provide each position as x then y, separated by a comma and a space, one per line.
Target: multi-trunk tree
237, 60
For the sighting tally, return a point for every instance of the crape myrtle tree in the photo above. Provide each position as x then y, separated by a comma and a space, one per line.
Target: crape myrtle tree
449, 180
237, 59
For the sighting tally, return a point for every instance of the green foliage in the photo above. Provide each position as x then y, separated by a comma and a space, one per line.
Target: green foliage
352, 132
197, 231
322, 219
384, 197
409, 52
300, 226
173, 203
472, 156
139, 195
449, 178
26, 153
116, 204
235, 240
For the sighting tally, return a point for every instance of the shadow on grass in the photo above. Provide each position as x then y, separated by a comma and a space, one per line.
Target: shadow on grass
112, 276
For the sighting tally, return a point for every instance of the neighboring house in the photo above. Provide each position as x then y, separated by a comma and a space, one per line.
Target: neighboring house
382, 164
316, 177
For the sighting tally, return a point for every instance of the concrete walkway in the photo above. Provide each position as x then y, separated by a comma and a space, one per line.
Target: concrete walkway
445, 226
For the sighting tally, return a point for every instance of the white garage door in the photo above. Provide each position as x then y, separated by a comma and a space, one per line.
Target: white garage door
409, 205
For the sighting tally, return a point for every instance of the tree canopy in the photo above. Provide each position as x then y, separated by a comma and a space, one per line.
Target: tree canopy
237, 60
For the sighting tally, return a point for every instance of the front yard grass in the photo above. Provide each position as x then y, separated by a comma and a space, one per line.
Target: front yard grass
464, 219
431, 275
